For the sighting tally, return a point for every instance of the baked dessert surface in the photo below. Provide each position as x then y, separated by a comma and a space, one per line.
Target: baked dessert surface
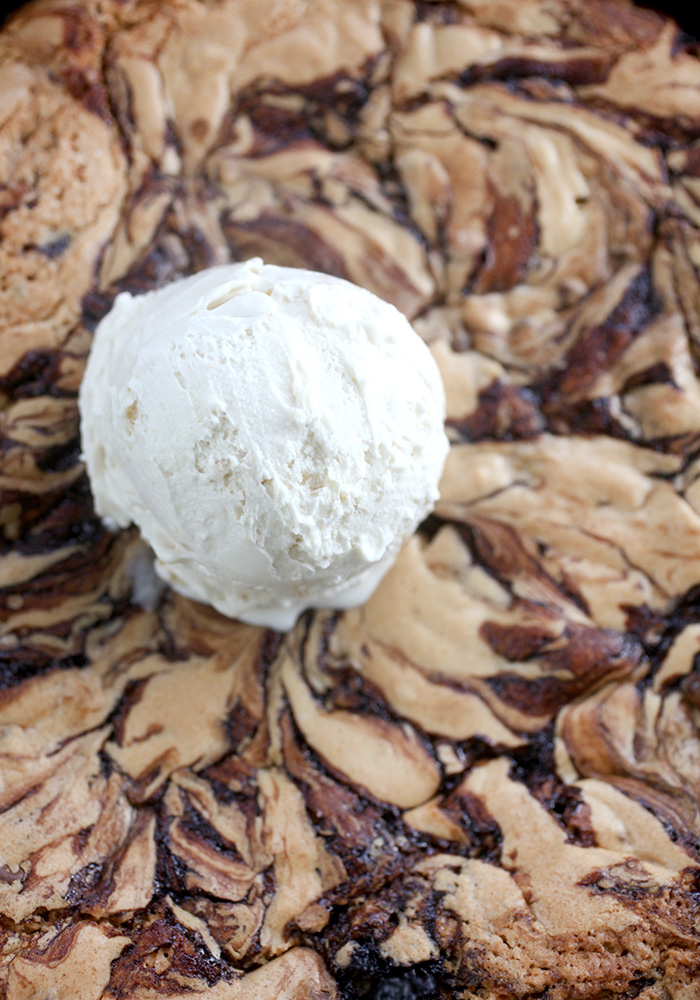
484, 782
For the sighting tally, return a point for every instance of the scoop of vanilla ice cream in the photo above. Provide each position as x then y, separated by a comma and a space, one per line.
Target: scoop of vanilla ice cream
276, 434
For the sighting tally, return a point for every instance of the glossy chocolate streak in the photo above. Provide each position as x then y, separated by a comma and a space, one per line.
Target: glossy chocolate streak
483, 781
35, 374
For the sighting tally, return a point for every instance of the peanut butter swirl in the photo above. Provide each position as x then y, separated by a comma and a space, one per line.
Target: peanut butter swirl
483, 782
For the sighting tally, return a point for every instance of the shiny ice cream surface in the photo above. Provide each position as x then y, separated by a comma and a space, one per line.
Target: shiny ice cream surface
276, 434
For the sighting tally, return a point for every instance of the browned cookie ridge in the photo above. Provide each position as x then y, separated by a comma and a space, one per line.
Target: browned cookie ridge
484, 782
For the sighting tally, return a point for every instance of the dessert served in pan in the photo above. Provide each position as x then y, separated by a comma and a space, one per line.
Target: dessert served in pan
481, 781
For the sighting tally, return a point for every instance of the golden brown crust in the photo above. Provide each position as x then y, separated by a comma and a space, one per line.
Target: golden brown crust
484, 781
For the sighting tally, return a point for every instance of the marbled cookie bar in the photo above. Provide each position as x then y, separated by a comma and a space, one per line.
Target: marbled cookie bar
484, 782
